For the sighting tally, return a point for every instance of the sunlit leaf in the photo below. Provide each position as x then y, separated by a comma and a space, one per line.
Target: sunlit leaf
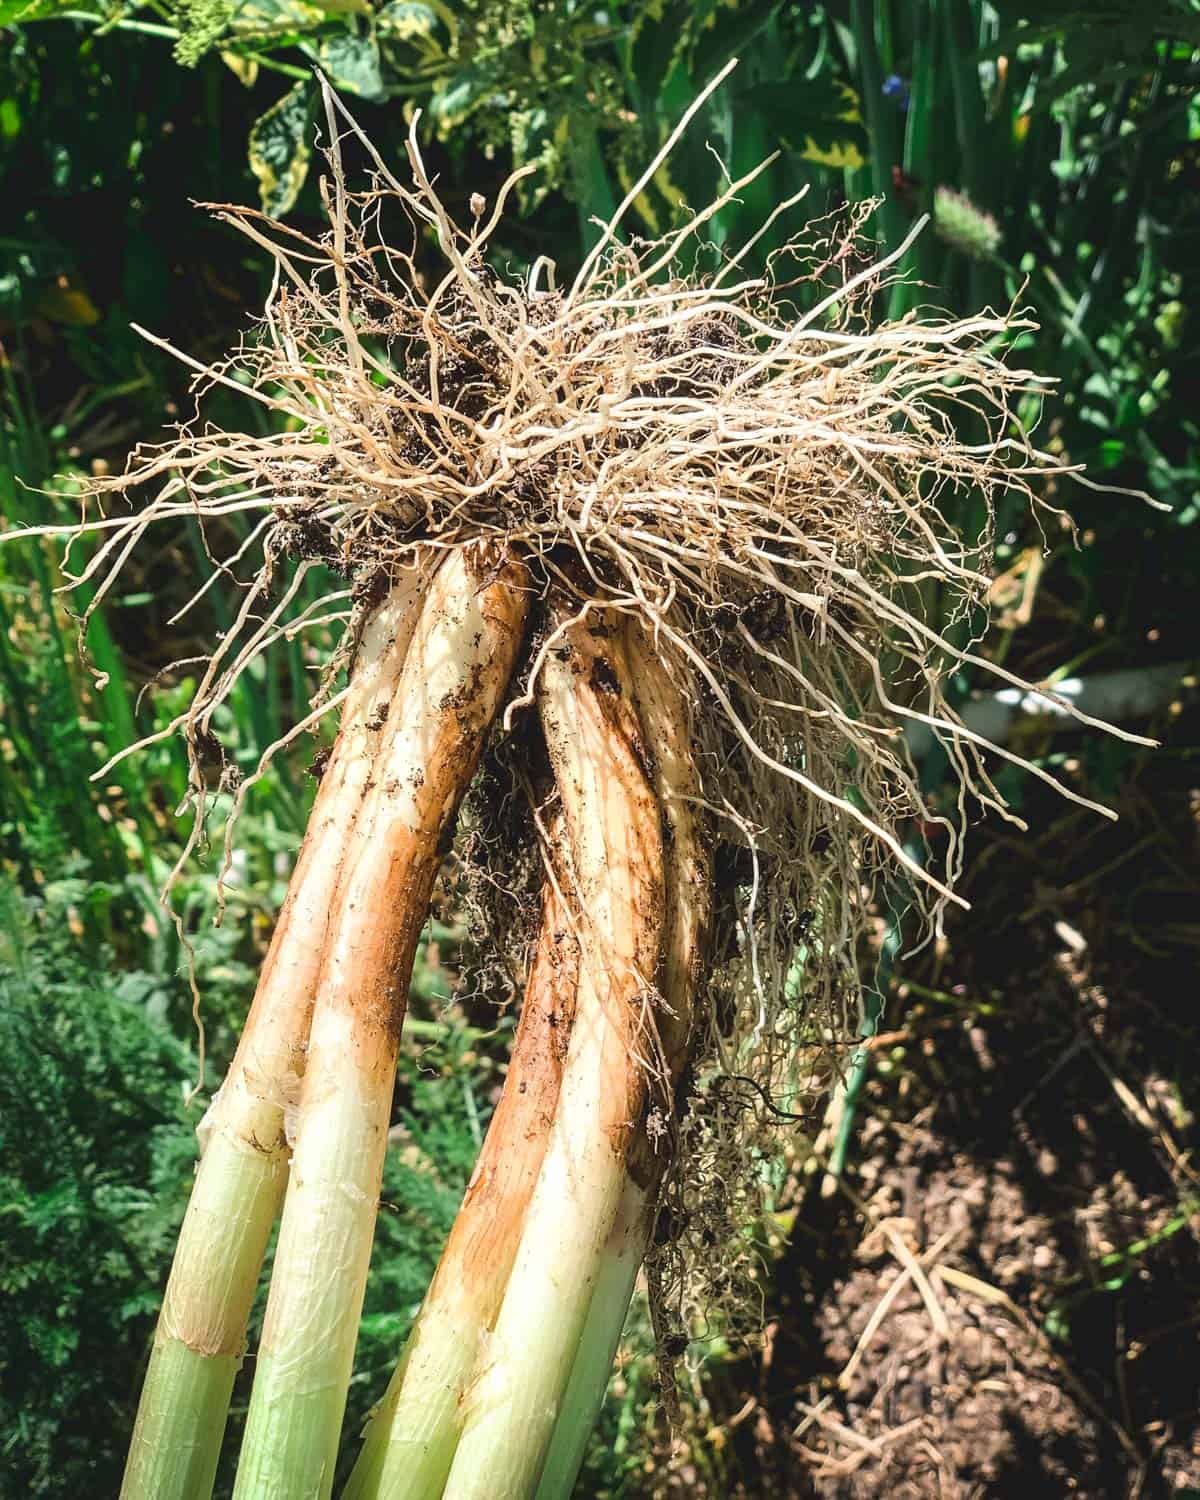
17, 11
406, 19
840, 154
276, 16
817, 118
352, 63
244, 69
279, 149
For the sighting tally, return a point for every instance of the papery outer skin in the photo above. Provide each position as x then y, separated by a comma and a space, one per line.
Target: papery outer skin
410, 1442
615, 843
242, 1174
666, 725
454, 678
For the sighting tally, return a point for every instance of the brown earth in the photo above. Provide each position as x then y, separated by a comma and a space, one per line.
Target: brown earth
1028, 1142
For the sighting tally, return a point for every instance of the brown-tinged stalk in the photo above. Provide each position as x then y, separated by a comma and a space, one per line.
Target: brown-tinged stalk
666, 723
243, 1166
615, 847
410, 1442
454, 678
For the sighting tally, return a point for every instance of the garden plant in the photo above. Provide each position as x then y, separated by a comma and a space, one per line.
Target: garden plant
647, 573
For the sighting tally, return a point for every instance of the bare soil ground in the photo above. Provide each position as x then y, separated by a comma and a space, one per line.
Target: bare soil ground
1003, 1300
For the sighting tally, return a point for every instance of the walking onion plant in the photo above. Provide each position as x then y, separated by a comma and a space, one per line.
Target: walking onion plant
658, 543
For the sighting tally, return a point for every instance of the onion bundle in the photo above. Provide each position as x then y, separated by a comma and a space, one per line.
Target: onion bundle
661, 546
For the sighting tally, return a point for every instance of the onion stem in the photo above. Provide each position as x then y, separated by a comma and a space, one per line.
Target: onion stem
242, 1173
666, 725
615, 851
410, 1442
454, 677
620, 1262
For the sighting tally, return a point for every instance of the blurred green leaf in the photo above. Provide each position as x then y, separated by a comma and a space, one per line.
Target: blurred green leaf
726, 31
280, 148
352, 63
658, 38
816, 118
406, 19
69, 305
461, 94
15, 12
282, 16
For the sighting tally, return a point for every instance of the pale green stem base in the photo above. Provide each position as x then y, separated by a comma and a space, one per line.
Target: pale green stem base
303, 1367
514, 1403
180, 1424
199, 1344
305, 1429
416, 1446
593, 1364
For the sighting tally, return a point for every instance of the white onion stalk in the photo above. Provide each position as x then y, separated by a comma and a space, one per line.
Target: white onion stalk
454, 678
614, 840
410, 1441
201, 1332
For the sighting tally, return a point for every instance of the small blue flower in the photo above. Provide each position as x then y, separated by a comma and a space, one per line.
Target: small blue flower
897, 88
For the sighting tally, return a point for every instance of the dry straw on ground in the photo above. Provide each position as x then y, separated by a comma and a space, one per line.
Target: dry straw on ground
750, 466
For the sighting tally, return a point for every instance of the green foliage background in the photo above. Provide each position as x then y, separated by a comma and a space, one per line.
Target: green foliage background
1068, 137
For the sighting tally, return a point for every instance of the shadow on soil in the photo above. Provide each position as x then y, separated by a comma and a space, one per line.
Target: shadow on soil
1026, 1137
